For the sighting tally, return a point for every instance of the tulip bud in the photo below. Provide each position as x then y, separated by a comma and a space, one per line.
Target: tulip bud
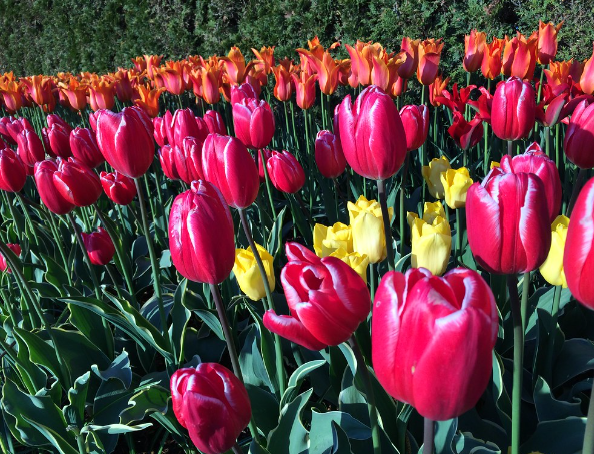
77, 183
329, 156
248, 274
118, 187
29, 147
195, 215
12, 171
212, 404
514, 109
328, 240
432, 176
579, 136
455, 184
215, 123
59, 140
283, 88
50, 196
431, 239
267, 154
99, 247
160, 131
83, 144
228, 165
410, 48
285, 172
415, 120
254, 123
326, 297
367, 224
4, 130
15, 126
418, 321
356, 261
3, 263
305, 89
552, 268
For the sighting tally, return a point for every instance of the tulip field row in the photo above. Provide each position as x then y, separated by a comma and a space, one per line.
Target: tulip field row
272, 256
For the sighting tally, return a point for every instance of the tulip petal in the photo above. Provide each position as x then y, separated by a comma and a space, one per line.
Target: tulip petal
292, 329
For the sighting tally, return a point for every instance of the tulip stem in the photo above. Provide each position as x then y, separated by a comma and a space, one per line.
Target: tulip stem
402, 208
510, 147
576, 190
553, 333
381, 189
518, 359
85, 255
486, 152
459, 236
60, 244
216, 296
268, 188
288, 137
113, 280
428, 436
280, 371
362, 366
589, 436
524, 305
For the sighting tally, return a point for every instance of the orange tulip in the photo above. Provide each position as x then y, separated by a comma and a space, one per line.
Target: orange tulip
317, 49
139, 63
171, 77
491, 65
547, 41
11, 93
362, 61
149, 99
123, 85
559, 72
429, 56
206, 83
152, 63
399, 87
101, 94
305, 89
235, 67
327, 70
283, 89
410, 47
474, 49
344, 71
587, 78
265, 59
436, 89
76, 92
385, 71
39, 88
519, 56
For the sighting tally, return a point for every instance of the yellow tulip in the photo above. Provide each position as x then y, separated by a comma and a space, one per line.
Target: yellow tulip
494, 164
358, 262
368, 228
455, 184
552, 268
248, 275
329, 239
432, 173
431, 239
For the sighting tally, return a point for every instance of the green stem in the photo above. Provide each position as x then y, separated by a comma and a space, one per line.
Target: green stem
372, 280
85, 255
518, 359
28, 219
381, 189
113, 280
60, 244
547, 132
236, 449
268, 187
402, 209
287, 131
510, 147
525, 293
486, 151
17, 227
589, 437
552, 334
428, 436
558, 147
458, 236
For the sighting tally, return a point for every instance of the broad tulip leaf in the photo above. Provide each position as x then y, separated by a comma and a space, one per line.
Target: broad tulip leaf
275, 243
264, 408
321, 435
548, 408
564, 436
251, 362
180, 317
74, 413
290, 436
297, 377
576, 357
53, 437
91, 326
255, 448
115, 429
144, 402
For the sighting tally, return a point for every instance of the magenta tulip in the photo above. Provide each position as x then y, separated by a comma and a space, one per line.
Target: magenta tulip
254, 122
285, 172
415, 120
12, 171
3, 263
329, 156
215, 123
160, 131
30, 147
579, 136
77, 183
99, 247
83, 143
513, 110
118, 187
50, 196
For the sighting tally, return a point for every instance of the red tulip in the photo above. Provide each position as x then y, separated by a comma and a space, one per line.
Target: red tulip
126, 140
83, 144
168, 161
15, 126
99, 247
12, 171
514, 109
580, 136
254, 123
551, 110
212, 404
547, 41
578, 259
508, 222
4, 131
50, 196
519, 56
185, 124
329, 156
327, 299
418, 321
483, 104
93, 120
415, 120
410, 48
118, 187
30, 147
371, 133
77, 183
201, 235
54, 119
466, 133
244, 91
3, 264
285, 172
215, 123
160, 131
457, 100
267, 154
228, 165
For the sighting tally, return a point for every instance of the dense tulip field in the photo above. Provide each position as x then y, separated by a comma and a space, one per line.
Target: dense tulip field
323, 256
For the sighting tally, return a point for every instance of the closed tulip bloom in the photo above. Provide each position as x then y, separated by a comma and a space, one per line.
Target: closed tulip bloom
587, 77
547, 41
212, 404
160, 131
371, 134
214, 122
5, 123
102, 95
168, 161
241, 92
228, 165
579, 136
519, 56
328, 240
305, 89
329, 156
491, 65
474, 49
184, 124
77, 183
415, 120
429, 56
418, 321
514, 109
254, 123
16, 125
283, 88
578, 258
248, 274
508, 222
552, 268
466, 133
50, 196
455, 183
83, 144
410, 47
126, 140
201, 234
327, 299
431, 239
432, 176
367, 225
30, 147
3, 263
358, 262
99, 247
285, 172
118, 187
12, 171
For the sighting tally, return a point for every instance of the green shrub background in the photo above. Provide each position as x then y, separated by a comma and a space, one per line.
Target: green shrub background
47, 36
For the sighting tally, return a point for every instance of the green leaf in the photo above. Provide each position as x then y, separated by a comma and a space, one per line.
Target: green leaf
275, 239
55, 274
251, 362
264, 408
290, 436
266, 349
119, 369
115, 429
74, 413
91, 326
53, 437
321, 435
145, 402
297, 378
212, 321
180, 317
340, 440
548, 408
444, 435
564, 436
255, 448
576, 357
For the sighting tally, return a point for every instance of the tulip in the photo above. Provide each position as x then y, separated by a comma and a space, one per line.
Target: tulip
508, 222
457, 100
372, 135
185, 124
160, 131
431, 239
552, 109
519, 56
366, 221
212, 404
83, 144
248, 274
99, 247
415, 120
432, 176
118, 187
171, 79
429, 56
126, 140
327, 299
285, 172
580, 136
410, 48
209, 80
328, 154
283, 88
552, 268
244, 91
12, 171
29, 147
196, 215
578, 258
436, 89
547, 41
514, 109
328, 240
77, 183
50, 196
123, 85
466, 133
16, 125
455, 184
491, 65
305, 89
17, 251
167, 158
358, 262
215, 123
5, 123
101, 95
587, 77
148, 99
76, 93
474, 48
228, 165
12, 96
418, 321
254, 123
